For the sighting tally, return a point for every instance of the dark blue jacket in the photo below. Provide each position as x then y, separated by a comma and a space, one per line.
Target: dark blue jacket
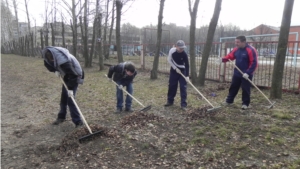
119, 74
246, 59
179, 60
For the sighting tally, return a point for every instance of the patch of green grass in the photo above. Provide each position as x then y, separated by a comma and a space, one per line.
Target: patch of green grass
199, 132
145, 146
222, 131
282, 115
201, 140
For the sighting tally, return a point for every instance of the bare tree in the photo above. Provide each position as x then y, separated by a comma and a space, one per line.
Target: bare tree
95, 27
209, 40
193, 14
119, 6
158, 41
276, 86
100, 53
28, 19
6, 22
106, 46
111, 25
63, 32
17, 19
84, 34
73, 22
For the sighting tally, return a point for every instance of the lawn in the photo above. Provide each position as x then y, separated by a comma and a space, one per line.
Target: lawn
159, 138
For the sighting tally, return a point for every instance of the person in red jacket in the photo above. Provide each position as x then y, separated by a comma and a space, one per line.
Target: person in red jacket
246, 60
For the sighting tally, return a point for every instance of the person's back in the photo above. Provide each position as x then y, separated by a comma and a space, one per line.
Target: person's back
63, 64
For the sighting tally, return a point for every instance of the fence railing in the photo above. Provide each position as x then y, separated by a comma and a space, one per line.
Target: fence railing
143, 56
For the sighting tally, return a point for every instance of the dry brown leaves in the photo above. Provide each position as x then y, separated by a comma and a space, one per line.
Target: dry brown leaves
139, 119
199, 113
71, 141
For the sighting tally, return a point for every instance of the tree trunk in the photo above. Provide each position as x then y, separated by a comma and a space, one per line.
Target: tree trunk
46, 35
17, 20
28, 19
105, 47
86, 36
52, 34
276, 87
193, 14
111, 27
93, 42
101, 64
118, 31
209, 40
63, 34
158, 41
74, 28
42, 39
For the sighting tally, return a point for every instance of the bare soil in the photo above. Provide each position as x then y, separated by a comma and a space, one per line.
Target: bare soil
159, 138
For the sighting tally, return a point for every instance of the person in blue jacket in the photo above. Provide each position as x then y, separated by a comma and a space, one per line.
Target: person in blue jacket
179, 62
246, 60
65, 65
123, 74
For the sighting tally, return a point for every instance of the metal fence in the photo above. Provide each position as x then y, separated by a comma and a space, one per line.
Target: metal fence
263, 74
266, 58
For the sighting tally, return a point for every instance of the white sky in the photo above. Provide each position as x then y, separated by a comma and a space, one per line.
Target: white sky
245, 14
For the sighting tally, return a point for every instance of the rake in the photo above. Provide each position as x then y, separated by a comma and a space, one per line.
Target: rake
208, 110
81, 139
272, 104
144, 109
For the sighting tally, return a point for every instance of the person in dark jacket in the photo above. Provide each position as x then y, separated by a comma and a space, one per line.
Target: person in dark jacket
179, 62
123, 74
246, 60
65, 65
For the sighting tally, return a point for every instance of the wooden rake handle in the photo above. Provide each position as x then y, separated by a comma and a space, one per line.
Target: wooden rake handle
251, 82
195, 89
127, 93
72, 97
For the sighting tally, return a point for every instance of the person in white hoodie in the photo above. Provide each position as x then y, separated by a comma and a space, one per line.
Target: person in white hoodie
65, 65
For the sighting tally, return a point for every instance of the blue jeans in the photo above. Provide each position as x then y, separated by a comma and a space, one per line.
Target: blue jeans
128, 100
65, 101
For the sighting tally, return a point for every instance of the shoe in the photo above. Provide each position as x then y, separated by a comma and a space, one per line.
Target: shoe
244, 107
168, 104
183, 108
58, 121
118, 111
79, 124
128, 109
227, 104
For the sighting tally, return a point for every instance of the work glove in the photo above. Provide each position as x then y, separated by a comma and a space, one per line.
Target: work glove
57, 73
187, 78
219, 60
70, 93
120, 87
245, 75
178, 70
110, 79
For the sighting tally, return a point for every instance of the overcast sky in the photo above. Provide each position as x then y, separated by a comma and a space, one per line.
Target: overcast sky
245, 14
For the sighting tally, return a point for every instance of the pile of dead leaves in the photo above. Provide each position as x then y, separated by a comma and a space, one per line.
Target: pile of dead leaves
199, 113
139, 119
71, 141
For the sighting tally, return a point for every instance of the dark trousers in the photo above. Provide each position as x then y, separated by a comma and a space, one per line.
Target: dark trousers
236, 83
119, 94
173, 84
65, 101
